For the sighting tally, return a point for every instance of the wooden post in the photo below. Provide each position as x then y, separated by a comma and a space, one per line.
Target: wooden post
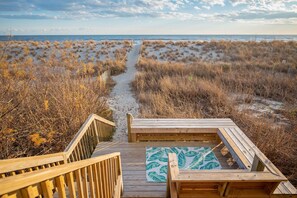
257, 164
120, 174
173, 171
60, 182
129, 121
96, 131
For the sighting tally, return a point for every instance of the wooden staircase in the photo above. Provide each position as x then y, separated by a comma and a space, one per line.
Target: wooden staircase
72, 173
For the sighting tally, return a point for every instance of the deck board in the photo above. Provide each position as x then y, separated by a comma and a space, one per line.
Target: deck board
133, 164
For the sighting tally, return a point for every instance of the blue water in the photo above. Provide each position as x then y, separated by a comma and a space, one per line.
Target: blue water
152, 37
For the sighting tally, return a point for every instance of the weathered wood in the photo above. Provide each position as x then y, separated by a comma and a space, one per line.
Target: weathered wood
249, 149
102, 177
89, 134
257, 164
39, 176
81, 147
237, 154
91, 181
78, 179
175, 129
60, 182
70, 184
133, 164
47, 189
176, 137
129, 121
20, 164
85, 181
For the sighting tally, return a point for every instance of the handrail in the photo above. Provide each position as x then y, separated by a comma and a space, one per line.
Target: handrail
82, 147
94, 129
100, 177
27, 164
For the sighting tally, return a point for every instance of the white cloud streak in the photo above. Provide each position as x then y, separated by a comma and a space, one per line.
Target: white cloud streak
257, 11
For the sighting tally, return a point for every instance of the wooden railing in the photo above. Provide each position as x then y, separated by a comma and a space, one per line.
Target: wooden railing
219, 183
94, 130
17, 166
99, 177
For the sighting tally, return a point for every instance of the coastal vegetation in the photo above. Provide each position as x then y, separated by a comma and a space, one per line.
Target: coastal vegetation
253, 83
48, 89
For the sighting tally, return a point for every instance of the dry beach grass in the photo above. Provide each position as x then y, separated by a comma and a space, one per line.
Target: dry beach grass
206, 88
49, 89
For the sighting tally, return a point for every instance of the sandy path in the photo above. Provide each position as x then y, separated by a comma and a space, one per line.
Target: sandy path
121, 99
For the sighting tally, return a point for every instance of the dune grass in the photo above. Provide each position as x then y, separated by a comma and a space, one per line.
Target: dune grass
47, 91
204, 89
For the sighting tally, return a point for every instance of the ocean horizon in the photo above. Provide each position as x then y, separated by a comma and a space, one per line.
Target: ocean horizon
206, 37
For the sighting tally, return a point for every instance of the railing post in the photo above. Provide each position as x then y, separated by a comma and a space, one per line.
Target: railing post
172, 172
257, 164
121, 174
65, 157
96, 131
129, 121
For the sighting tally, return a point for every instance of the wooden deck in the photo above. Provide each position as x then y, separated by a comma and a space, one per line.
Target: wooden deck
133, 164
73, 172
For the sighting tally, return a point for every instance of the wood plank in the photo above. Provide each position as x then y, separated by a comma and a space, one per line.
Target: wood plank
234, 149
79, 184
284, 187
137, 188
272, 168
228, 176
176, 137
152, 194
70, 184
60, 182
83, 130
31, 178
133, 162
29, 162
241, 142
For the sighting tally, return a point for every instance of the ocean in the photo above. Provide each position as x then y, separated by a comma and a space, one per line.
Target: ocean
150, 37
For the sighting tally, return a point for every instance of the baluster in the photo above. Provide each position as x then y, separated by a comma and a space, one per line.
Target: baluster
91, 181
60, 183
100, 178
70, 184
78, 179
85, 182
47, 189
96, 181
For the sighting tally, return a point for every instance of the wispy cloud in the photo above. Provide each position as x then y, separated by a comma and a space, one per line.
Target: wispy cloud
282, 11
26, 16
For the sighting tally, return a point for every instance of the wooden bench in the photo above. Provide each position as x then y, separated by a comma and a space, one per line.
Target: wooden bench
243, 150
175, 129
248, 156
219, 183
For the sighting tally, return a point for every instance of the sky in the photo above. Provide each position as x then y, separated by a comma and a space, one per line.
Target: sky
72, 17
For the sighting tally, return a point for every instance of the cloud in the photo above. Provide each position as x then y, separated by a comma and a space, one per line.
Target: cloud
175, 15
206, 7
213, 2
238, 2
26, 16
249, 10
18, 5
